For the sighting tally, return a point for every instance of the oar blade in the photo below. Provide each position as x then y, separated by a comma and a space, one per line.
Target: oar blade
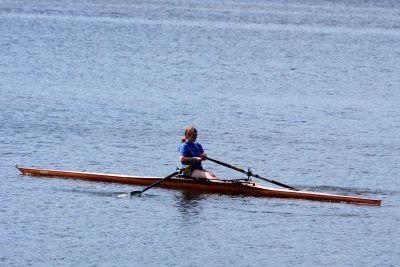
136, 193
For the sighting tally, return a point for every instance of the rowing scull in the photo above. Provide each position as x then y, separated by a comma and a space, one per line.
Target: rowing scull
232, 187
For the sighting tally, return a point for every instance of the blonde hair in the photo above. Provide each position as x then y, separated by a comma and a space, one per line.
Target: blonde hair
188, 131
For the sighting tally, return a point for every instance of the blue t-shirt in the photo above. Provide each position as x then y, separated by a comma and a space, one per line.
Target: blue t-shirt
191, 150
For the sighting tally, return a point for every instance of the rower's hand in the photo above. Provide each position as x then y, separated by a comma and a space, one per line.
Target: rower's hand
203, 156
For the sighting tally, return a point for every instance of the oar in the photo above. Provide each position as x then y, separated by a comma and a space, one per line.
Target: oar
163, 179
250, 173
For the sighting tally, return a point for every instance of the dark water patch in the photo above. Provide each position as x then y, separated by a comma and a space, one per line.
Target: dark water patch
91, 192
352, 190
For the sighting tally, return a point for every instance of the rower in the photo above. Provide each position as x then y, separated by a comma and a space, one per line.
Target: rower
190, 151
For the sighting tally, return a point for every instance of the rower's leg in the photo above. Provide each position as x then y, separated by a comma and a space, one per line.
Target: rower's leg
204, 174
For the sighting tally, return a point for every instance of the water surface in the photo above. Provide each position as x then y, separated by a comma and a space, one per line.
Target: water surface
305, 93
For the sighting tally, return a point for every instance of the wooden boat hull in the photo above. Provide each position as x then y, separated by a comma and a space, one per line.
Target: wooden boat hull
215, 186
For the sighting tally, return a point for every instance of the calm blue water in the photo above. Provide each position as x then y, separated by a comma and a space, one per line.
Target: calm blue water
304, 92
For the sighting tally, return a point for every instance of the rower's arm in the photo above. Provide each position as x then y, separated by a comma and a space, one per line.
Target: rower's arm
188, 160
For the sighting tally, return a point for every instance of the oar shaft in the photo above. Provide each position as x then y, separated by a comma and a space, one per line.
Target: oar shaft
160, 181
250, 174
274, 182
163, 179
228, 165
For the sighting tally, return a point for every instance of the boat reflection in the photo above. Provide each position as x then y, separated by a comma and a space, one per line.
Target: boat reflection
189, 203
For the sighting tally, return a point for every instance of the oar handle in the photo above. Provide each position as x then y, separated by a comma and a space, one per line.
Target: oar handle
250, 173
